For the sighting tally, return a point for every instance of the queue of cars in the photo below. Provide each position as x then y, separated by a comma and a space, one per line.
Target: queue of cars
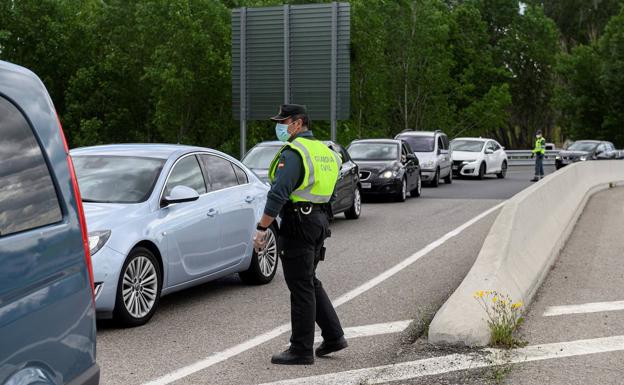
105, 231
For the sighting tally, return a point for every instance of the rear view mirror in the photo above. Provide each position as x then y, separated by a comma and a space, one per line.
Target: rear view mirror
180, 194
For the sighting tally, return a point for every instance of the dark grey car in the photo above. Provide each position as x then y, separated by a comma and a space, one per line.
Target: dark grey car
47, 311
584, 150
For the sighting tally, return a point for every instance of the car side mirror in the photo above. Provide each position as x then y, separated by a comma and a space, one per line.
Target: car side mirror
180, 194
411, 157
442, 152
489, 151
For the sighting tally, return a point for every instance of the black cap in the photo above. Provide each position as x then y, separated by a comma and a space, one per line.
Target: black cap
538, 132
288, 110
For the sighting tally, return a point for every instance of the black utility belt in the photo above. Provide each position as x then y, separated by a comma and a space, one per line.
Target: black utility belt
305, 208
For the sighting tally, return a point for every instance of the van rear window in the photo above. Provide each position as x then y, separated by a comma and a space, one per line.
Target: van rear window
27, 195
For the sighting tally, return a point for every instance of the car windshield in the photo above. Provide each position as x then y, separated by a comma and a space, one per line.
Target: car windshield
260, 157
374, 151
583, 146
419, 143
467, 145
116, 179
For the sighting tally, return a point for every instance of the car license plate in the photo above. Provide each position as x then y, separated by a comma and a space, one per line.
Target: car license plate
366, 185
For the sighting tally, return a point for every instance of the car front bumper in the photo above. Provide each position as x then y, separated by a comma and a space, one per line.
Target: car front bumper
107, 264
382, 186
427, 175
470, 169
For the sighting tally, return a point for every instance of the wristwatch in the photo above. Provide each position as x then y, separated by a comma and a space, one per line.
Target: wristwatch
259, 227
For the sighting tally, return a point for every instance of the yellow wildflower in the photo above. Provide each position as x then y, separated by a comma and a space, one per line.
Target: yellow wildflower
516, 305
494, 299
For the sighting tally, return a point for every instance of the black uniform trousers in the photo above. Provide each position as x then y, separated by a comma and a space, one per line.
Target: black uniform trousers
301, 241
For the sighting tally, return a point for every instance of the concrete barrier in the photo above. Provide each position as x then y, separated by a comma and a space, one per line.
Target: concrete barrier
522, 245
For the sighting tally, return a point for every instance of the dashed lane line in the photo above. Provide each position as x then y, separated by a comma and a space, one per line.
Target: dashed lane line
593, 307
456, 362
262, 338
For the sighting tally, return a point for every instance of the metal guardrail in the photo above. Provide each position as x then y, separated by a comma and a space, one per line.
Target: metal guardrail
523, 157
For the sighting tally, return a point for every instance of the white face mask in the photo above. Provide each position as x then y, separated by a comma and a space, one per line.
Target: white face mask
281, 131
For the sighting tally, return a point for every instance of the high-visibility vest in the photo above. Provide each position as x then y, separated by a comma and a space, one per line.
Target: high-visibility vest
540, 146
321, 169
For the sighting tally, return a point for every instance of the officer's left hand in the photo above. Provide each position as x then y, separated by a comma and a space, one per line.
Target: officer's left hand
260, 240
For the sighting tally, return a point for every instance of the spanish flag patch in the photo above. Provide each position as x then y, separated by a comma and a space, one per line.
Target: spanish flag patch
280, 165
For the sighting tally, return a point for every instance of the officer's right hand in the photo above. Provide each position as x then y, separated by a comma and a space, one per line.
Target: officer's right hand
260, 240
532, 155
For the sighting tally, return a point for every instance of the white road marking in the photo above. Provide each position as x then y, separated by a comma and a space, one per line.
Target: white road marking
593, 307
456, 362
262, 338
370, 330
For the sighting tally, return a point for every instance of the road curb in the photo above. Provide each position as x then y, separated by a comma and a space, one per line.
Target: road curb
521, 246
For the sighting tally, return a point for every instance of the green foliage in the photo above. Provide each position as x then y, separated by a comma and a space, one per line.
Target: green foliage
159, 70
592, 84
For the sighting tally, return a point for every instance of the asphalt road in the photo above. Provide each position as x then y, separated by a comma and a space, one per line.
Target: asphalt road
196, 323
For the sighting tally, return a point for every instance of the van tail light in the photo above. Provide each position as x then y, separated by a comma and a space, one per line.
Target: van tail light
81, 216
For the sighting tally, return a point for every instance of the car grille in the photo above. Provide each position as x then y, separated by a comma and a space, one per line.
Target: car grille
364, 175
457, 162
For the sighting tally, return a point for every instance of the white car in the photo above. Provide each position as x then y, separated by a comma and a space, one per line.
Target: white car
478, 157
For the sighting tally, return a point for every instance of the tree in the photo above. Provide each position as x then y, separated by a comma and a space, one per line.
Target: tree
529, 51
419, 61
580, 21
480, 95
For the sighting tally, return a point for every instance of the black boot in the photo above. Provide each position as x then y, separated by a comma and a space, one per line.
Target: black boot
288, 357
328, 347
535, 179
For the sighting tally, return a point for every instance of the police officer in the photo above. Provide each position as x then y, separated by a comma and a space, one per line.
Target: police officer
303, 176
538, 152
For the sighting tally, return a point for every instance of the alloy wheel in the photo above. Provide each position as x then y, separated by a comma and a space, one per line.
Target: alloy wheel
357, 202
139, 286
404, 190
267, 258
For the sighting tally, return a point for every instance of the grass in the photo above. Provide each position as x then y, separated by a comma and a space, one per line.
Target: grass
504, 318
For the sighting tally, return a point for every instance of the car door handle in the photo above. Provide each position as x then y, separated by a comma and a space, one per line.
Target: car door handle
212, 212
249, 199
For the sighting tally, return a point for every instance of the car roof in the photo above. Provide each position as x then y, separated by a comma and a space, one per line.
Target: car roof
270, 143
147, 150
391, 141
589, 141
475, 139
420, 133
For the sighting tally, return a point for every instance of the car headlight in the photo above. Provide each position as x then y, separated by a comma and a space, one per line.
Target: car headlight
583, 158
469, 161
428, 164
97, 239
388, 174
558, 157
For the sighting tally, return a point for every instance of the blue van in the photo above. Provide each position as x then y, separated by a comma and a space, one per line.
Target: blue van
47, 311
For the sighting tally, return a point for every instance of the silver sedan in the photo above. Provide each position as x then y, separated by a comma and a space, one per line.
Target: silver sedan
162, 218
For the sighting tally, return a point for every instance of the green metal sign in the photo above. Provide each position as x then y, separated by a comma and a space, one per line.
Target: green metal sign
291, 54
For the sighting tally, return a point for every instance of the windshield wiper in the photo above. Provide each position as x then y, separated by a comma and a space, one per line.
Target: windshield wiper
85, 200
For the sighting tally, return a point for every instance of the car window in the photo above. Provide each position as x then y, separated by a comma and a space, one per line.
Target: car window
419, 143
241, 175
491, 146
219, 171
27, 195
601, 148
445, 142
374, 151
116, 179
610, 146
186, 173
440, 144
260, 157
